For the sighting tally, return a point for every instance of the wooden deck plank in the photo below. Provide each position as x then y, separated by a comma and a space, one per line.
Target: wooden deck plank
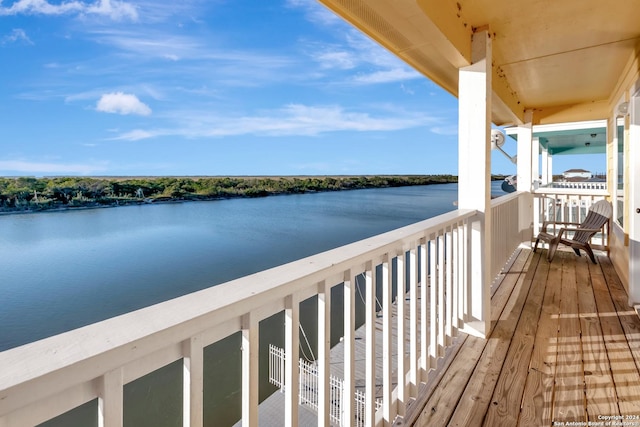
507, 397
599, 387
477, 395
537, 399
440, 407
569, 398
622, 340
573, 354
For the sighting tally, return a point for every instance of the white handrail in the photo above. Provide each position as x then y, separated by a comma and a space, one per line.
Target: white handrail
505, 229
43, 379
587, 185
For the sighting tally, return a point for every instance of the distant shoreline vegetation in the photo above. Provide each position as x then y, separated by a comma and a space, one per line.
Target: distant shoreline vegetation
28, 194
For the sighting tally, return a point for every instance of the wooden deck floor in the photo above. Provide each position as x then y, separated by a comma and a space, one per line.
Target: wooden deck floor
565, 350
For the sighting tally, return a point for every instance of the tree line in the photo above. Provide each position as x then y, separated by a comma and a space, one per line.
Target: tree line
34, 194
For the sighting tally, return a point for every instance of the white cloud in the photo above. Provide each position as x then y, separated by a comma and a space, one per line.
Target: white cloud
122, 103
136, 135
290, 120
386, 76
316, 12
114, 9
336, 59
21, 166
17, 35
445, 130
355, 51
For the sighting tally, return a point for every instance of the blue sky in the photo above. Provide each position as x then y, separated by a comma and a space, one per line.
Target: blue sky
213, 88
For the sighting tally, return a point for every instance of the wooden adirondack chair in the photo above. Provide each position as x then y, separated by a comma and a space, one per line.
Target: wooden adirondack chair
598, 215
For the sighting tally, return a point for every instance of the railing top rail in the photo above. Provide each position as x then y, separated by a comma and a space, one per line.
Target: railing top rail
572, 191
101, 347
506, 198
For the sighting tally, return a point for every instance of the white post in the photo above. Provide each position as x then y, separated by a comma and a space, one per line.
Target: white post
370, 343
545, 166
401, 328
424, 309
535, 162
193, 380
110, 402
389, 408
413, 325
528, 207
324, 345
474, 173
291, 358
633, 200
250, 381
547, 169
348, 397
525, 150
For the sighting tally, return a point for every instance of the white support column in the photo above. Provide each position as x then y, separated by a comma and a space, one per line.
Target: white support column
474, 173
193, 383
535, 175
633, 200
324, 345
535, 162
250, 343
291, 360
528, 210
110, 401
525, 150
544, 179
545, 166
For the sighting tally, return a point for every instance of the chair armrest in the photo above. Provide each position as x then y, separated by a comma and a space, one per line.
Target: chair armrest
545, 224
595, 230
567, 223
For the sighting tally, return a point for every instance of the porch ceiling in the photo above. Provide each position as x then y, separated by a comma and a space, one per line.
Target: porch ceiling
562, 59
570, 138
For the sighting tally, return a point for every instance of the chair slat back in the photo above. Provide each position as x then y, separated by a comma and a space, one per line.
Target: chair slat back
598, 215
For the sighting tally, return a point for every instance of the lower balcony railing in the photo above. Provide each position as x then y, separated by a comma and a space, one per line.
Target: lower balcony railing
427, 262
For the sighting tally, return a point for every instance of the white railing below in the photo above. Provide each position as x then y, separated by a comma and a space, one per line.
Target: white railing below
429, 260
308, 389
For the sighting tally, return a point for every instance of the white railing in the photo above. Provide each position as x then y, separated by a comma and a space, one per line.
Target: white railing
556, 205
505, 229
43, 379
309, 381
578, 185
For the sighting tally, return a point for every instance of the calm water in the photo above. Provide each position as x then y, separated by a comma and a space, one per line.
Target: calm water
63, 270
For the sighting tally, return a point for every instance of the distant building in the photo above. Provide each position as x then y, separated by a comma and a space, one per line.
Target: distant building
576, 175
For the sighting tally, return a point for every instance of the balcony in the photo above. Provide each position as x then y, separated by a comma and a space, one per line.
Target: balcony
562, 336
564, 348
